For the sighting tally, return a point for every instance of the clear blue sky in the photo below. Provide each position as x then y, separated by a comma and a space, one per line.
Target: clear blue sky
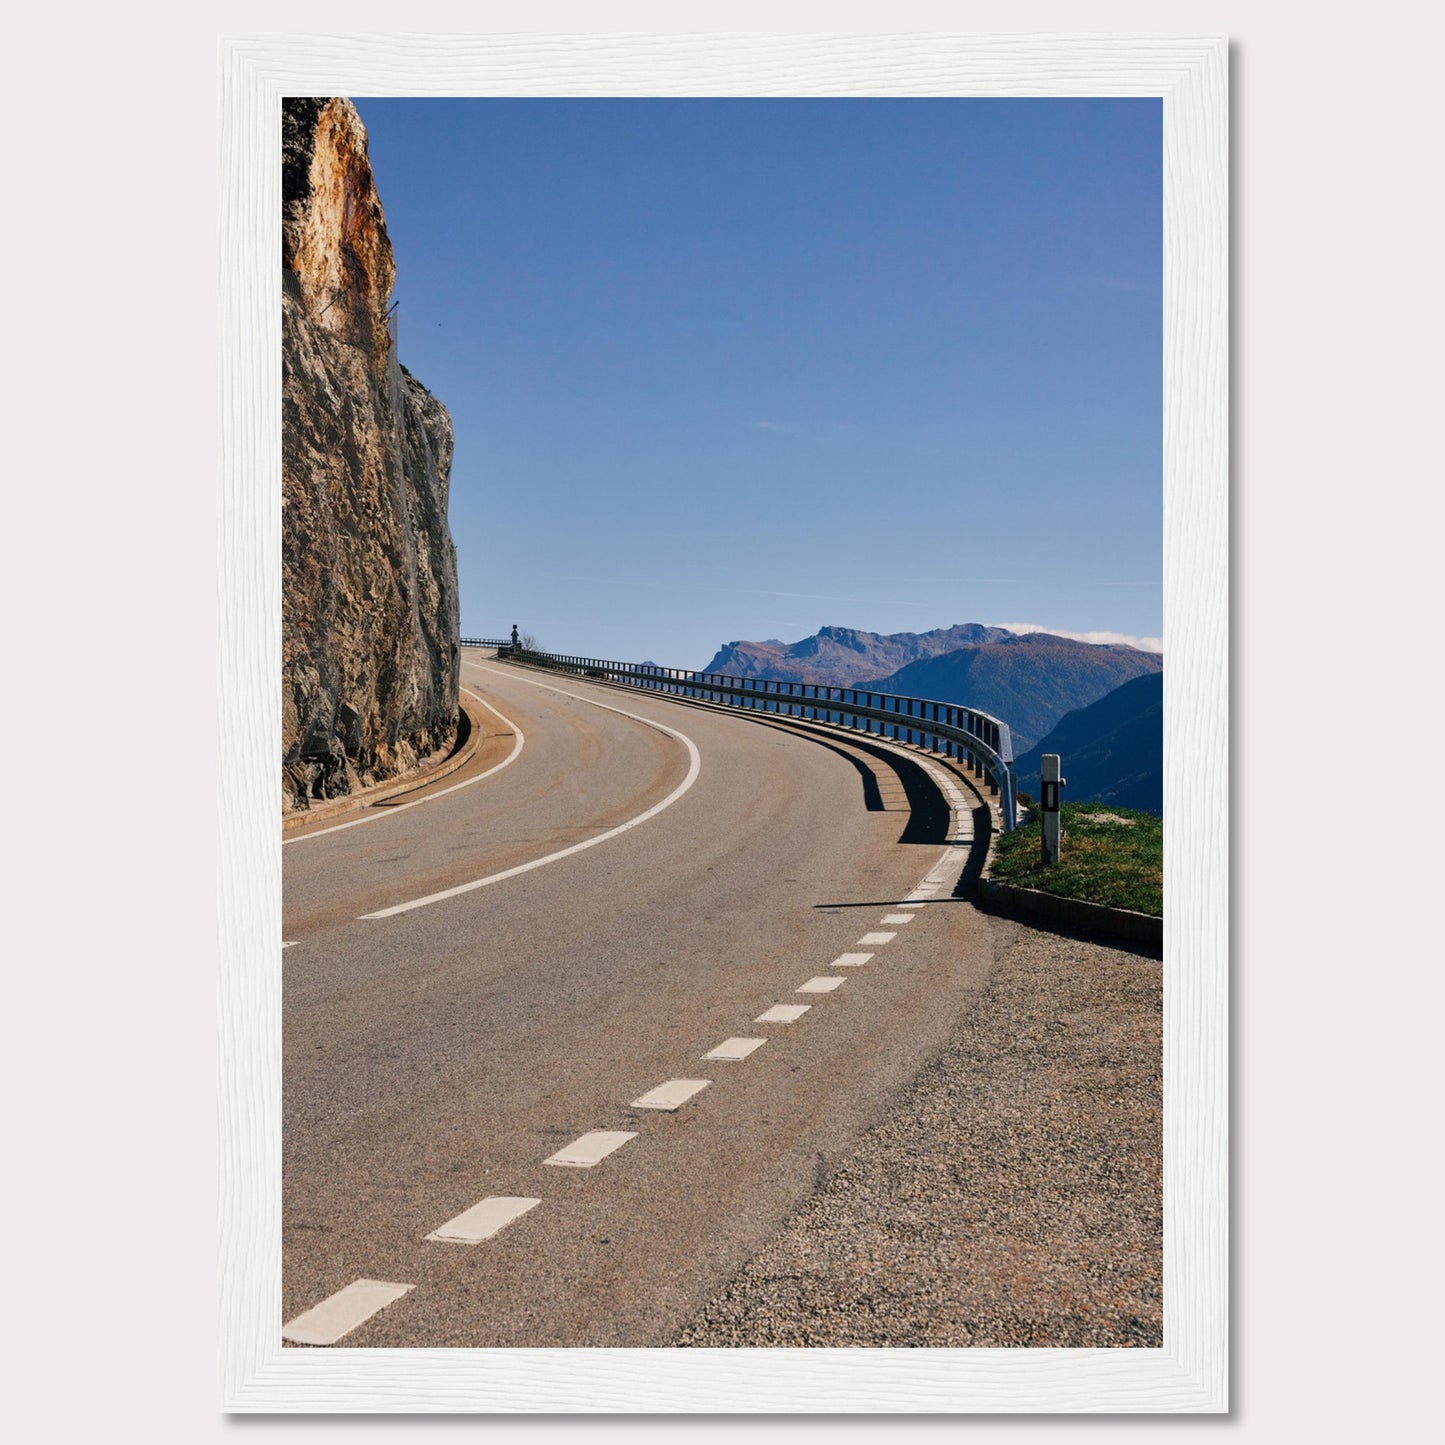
727, 369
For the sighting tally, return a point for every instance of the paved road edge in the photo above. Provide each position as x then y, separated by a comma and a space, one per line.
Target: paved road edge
422, 776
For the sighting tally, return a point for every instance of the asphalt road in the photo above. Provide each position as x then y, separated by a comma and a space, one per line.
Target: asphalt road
437, 1057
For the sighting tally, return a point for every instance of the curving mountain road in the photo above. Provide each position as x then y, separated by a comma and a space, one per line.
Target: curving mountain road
438, 1054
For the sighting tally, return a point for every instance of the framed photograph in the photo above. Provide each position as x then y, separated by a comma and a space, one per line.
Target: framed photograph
722, 326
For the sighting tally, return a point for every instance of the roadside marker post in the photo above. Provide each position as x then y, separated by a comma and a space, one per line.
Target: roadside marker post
1049, 805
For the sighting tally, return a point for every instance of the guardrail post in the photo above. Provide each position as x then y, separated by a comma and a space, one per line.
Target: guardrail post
1049, 806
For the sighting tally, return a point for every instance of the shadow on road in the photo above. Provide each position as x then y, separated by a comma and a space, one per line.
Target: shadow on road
872, 796
928, 812
977, 855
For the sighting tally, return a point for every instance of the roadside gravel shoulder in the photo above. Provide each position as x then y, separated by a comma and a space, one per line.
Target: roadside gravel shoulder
1012, 1195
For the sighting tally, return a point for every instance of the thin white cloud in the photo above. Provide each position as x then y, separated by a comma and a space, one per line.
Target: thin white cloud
1144, 644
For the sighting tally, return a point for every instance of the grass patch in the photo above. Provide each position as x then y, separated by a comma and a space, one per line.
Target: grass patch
1108, 855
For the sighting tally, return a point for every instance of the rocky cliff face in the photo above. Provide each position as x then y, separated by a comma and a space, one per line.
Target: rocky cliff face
369, 614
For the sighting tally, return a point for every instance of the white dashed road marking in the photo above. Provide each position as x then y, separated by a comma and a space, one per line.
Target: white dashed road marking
735, 1048
327, 1322
482, 1220
671, 1095
337, 1316
583, 1153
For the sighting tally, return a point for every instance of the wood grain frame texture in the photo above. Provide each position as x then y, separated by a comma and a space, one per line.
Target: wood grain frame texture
1189, 1374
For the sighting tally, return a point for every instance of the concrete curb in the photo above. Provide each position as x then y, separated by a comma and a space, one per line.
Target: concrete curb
1093, 919
1071, 912
459, 757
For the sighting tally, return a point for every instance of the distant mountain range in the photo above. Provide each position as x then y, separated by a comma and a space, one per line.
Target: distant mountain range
843, 656
1031, 680
1111, 751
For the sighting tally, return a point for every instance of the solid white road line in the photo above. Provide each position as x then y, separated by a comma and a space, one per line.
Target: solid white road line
327, 1322
386, 812
583, 1153
876, 939
482, 1220
783, 1013
898, 917
671, 1095
851, 960
735, 1048
821, 985
694, 766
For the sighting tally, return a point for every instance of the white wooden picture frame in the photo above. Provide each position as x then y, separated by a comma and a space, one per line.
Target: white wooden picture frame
1189, 1374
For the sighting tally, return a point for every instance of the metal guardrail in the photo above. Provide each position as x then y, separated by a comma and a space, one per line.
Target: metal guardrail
980, 741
